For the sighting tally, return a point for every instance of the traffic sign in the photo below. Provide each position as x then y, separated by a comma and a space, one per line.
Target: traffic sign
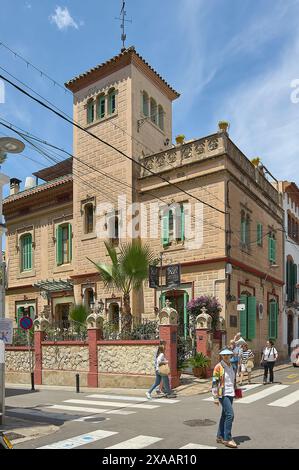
26, 323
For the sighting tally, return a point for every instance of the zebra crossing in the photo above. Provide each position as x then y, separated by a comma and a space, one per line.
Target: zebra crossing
95, 406
262, 392
137, 442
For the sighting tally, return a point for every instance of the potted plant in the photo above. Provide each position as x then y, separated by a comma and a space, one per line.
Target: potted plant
223, 125
180, 139
199, 364
256, 161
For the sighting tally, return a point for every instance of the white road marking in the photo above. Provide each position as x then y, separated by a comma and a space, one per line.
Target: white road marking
91, 410
81, 440
112, 403
43, 414
94, 417
197, 446
129, 398
286, 400
264, 393
138, 442
245, 388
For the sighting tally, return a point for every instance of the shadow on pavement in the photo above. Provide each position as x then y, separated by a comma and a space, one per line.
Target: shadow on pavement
240, 439
11, 392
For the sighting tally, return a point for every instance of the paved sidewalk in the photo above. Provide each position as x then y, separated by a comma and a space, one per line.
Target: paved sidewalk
21, 430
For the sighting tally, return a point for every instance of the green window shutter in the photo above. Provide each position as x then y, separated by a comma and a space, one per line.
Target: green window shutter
273, 314
251, 317
20, 314
289, 281
247, 233
182, 222
270, 249
273, 250
26, 252
243, 317
101, 107
111, 103
243, 231
165, 229
70, 236
259, 234
90, 112
186, 318
162, 300
59, 245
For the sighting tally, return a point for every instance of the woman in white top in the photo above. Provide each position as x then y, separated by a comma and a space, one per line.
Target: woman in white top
269, 357
159, 360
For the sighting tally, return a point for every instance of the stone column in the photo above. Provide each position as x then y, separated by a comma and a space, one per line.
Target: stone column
203, 335
168, 328
40, 325
95, 332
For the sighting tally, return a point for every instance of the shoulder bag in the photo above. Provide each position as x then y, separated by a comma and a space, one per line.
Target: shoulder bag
164, 369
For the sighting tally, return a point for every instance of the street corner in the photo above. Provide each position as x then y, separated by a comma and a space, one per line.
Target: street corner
20, 430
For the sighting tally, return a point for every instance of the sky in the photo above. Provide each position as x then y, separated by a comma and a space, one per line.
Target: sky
234, 60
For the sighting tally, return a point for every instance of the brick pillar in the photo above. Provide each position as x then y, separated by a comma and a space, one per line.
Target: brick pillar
168, 333
203, 336
38, 368
168, 329
94, 334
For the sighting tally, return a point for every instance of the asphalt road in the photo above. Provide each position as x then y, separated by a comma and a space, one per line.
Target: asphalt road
266, 418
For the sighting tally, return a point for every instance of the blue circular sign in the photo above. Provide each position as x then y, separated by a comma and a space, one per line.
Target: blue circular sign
26, 323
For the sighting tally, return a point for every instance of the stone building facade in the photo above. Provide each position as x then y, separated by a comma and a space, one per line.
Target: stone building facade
230, 206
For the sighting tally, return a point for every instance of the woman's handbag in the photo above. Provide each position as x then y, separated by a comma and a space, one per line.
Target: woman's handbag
164, 369
249, 365
238, 393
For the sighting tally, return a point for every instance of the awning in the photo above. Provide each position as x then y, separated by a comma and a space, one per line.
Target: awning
55, 285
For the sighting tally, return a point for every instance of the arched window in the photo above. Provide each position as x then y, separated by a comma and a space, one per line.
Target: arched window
153, 111
88, 218
63, 244
90, 111
101, 106
113, 229
26, 252
111, 101
161, 117
145, 103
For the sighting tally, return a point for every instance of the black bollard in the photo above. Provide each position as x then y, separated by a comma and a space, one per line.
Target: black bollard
32, 382
77, 383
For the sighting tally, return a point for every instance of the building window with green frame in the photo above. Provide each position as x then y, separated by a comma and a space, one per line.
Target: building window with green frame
145, 104
248, 317
271, 248
26, 252
173, 224
63, 244
291, 279
259, 234
245, 230
273, 319
90, 111
101, 106
111, 101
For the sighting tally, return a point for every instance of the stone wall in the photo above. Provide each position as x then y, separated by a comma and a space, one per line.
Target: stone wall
17, 366
131, 359
59, 357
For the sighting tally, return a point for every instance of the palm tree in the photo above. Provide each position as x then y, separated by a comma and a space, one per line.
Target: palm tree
128, 270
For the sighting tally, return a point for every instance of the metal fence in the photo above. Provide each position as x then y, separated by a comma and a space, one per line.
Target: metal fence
66, 330
20, 337
146, 329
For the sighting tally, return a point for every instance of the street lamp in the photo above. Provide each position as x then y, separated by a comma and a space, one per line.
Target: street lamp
7, 145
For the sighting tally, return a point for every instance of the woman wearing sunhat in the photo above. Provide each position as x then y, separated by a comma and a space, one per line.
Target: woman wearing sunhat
223, 390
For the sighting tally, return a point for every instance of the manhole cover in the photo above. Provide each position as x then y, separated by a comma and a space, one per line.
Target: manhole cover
200, 422
13, 435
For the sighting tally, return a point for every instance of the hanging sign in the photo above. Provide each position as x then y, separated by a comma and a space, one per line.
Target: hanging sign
153, 277
173, 275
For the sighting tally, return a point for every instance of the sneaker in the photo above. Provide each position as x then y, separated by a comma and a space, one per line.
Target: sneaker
148, 395
230, 444
158, 391
171, 395
264, 383
219, 440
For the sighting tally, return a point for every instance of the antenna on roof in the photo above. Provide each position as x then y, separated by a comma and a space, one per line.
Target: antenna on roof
123, 21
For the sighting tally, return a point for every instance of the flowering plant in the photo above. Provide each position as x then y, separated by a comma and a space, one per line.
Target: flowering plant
211, 304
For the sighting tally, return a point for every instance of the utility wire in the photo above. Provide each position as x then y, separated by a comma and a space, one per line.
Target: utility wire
108, 144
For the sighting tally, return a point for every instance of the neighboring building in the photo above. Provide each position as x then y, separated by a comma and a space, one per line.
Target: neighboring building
240, 247
290, 194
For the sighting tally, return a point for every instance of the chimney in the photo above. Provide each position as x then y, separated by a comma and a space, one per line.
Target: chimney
14, 186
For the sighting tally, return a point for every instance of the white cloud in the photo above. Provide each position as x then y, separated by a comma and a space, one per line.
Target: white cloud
63, 19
